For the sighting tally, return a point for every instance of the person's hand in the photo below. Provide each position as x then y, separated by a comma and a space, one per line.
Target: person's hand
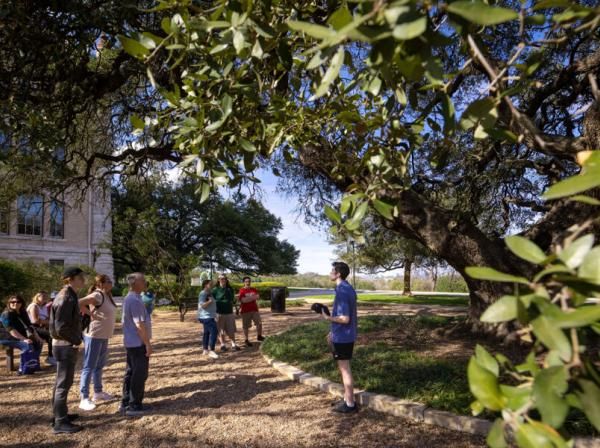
325, 316
29, 341
148, 350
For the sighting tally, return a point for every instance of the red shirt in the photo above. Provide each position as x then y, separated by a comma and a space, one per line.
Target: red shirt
250, 306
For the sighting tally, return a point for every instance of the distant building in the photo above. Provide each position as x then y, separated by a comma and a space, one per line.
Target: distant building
43, 229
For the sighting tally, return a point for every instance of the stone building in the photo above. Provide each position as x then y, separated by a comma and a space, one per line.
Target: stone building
42, 229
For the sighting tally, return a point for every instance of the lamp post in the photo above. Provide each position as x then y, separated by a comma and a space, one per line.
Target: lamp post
353, 264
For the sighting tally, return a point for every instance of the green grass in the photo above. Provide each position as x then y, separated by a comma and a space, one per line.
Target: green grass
381, 367
397, 298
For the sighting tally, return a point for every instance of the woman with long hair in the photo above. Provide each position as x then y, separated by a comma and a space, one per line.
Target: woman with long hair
101, 308
39, 315
22, 335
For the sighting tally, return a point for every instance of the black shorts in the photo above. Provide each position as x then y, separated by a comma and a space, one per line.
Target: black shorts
342, 352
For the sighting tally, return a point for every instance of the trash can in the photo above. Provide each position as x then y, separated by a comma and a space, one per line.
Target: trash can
278, 300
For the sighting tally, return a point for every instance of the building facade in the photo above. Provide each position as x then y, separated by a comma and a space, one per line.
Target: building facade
42, 229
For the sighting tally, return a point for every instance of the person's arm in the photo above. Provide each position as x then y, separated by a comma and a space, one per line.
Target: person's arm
342, 311
207, 302
8, 322
139, 319
33, 313
337, 319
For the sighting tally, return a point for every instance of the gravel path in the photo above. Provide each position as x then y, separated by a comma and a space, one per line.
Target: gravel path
235, 401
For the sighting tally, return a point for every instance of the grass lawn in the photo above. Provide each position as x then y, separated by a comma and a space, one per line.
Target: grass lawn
402, 356
381, 365
397, 298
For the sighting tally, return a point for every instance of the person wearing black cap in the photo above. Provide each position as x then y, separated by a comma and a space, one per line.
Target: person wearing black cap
65, 328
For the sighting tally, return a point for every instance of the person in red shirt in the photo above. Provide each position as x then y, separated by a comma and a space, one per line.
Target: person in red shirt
249, 309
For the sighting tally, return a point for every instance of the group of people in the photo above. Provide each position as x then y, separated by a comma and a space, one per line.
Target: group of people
215, 313
60, 324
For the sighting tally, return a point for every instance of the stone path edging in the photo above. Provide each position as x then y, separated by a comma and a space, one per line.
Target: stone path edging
398, 407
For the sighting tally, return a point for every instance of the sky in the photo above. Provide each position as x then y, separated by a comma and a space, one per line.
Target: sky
316, 254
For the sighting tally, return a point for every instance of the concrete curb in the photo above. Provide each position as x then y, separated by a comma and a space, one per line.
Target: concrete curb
400, 408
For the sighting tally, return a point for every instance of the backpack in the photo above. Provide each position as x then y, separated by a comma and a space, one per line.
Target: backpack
86, 319
30, 362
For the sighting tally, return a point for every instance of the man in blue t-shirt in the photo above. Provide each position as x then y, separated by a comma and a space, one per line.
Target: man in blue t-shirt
344, 326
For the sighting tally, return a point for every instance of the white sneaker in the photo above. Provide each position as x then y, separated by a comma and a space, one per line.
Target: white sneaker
213, 355
205, 352
102, 396
86, 404
50, 360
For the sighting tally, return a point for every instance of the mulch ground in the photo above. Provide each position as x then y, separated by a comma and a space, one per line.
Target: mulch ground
235, 401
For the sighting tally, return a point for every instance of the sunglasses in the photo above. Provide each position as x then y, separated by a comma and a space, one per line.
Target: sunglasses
14, 302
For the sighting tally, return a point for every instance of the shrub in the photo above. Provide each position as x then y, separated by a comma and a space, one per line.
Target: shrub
451, 283
263, 288
27, 278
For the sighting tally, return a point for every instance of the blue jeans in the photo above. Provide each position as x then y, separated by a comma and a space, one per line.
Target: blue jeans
209, 338
22, 346
95, 353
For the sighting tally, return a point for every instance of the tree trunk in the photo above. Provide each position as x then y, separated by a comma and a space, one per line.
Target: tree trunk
407, 271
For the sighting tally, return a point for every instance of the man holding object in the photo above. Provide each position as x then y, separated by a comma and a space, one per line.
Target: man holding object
248, 297
344, 326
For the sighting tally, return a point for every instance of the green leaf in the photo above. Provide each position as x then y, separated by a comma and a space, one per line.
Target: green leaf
226, 105
257, 51
553, 269
340, 18
549, 386
409, 26
585, 199
449, 114
551, 336
483, 273
538, 435
486, 360
204, 191
247, 144
590, 266
495, 438
331, 74
132, 46
502, 310
552, 4
317, 31
516, 396
484, 386
525, 249
575, 252
374, 86
572, 185
238, 41
480, 112
333, 215
590, 400
581, 317
385, 210
481, 13
137, 122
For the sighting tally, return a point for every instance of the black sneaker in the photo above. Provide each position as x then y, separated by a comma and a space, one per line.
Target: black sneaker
223, 348
248, 343
122, 409
260, 338
343, 408
237, 348
70, 417
66, 428
129, 412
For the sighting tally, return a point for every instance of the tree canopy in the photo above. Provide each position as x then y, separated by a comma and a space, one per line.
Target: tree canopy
448, 119
163, 220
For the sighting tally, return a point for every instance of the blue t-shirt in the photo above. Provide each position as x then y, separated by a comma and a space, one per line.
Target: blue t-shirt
211, 310
344, 305
134, 312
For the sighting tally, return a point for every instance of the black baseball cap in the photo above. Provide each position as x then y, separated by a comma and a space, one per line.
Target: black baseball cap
72, 271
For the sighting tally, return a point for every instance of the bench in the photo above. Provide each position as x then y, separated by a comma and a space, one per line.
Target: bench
10, 358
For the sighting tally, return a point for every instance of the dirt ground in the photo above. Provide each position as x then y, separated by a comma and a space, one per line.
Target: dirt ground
235, 401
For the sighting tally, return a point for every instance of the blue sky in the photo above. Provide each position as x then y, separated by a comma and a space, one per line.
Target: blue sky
316, 254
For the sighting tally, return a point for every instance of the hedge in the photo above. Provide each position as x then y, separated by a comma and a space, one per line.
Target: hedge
263, 288
27, 278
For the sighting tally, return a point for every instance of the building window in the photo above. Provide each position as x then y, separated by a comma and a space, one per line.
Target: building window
57, 263
57, 219
4, 221
30, 215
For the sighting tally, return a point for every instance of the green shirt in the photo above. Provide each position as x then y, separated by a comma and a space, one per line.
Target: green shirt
224, 298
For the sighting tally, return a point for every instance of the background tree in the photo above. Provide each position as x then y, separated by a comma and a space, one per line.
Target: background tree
159, 220
382, 251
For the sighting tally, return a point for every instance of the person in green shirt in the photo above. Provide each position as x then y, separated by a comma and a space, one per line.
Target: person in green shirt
225, 298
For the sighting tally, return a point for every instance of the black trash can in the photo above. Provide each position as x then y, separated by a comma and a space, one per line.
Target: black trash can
278, 300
